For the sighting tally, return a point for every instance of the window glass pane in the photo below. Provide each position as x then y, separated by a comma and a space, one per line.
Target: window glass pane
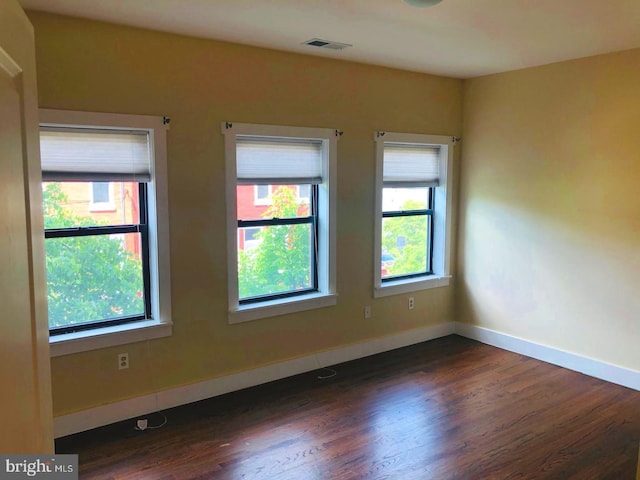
100, 192
284, 202
262, 191
404, 245
251, 234
396, 199
94, 277
304, 192
276, 259
69, 204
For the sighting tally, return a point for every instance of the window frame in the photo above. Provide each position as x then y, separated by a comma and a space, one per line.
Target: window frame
159, 324
325, 295
142, 227
440, 251
428, 213
310, 219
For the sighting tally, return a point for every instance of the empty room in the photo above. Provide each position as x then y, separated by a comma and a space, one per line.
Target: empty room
321, 239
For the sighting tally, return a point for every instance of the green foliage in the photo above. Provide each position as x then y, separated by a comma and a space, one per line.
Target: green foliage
88, 278
280, 263
412, 256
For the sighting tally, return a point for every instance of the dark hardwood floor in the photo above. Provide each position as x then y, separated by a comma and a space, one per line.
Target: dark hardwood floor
450, 408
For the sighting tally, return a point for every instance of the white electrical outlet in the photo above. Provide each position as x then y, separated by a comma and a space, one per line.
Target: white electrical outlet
367, 312
123, 361
411, 303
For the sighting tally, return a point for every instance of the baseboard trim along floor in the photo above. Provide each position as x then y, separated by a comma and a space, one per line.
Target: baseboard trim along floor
572, 361
118, 411
134, 407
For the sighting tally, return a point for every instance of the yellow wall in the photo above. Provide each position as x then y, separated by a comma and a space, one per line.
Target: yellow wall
84, 65
549, 239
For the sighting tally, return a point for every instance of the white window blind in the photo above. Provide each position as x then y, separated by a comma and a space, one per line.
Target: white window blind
269, 160
76, 154
410, 165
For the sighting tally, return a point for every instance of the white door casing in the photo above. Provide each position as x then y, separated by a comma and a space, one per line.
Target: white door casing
25, 404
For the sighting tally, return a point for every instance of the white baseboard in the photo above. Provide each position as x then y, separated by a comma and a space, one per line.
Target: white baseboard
138, 406
589, 366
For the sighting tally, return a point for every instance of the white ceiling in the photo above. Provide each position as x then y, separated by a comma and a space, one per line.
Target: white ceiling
458, 38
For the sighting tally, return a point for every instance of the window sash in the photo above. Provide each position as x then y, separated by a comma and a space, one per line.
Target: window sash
143, 229
428, 269
309, 219
270, 222
94, 154
429, 213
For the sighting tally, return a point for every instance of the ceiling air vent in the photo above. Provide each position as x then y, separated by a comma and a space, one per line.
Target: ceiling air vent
317, 42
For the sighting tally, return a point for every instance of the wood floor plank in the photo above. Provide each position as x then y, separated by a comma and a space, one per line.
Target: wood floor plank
450, 408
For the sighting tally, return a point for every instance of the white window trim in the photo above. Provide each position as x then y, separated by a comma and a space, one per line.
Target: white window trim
158, 209
101, 206
442, 217
326, 295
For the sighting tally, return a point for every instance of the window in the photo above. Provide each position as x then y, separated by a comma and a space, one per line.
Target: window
252, 238
262, 194
282, 260
304, 193
101, 196
107, 271
281, 256
413, 173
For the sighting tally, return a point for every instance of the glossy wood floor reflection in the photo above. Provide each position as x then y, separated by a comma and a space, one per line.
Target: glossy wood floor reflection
451, 408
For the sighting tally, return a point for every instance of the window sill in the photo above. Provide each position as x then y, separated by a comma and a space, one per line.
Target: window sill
272, 308
408, 285
76, 342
